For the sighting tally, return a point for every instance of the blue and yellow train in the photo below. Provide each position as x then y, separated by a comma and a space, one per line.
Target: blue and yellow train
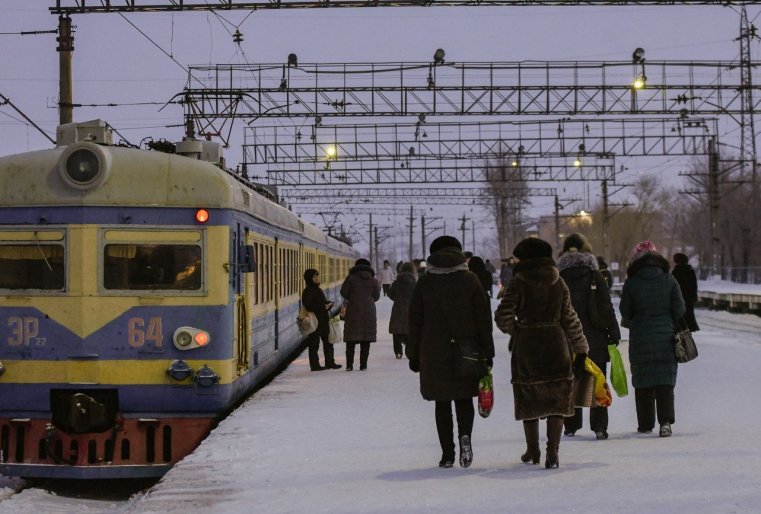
142, 295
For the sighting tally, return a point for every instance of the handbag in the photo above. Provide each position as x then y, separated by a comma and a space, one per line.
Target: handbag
336, 334
306, 321
468, 362
617, 372
485, 395
684, 344
583, 390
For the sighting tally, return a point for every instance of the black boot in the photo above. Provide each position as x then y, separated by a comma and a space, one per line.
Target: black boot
533, 453
466, 451
554, 430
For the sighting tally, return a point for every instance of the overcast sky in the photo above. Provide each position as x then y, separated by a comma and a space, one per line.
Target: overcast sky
114, 63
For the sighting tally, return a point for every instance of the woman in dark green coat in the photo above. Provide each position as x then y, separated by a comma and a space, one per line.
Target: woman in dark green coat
651, 302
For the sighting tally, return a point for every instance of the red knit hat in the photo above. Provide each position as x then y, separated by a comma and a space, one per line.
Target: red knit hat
644, 246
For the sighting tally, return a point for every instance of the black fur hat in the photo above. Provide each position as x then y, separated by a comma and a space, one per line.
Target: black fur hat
680, 258
445, 242
532, 248
577, 241
362, 262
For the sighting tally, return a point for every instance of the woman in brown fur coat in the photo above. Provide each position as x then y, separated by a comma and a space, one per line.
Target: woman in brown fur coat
536, 311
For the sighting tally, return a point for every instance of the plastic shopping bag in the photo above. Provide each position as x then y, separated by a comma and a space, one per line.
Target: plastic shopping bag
617, 372
485, 395
336, 332
603, 396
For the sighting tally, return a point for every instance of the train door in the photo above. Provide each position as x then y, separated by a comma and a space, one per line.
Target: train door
243, 306
276, 277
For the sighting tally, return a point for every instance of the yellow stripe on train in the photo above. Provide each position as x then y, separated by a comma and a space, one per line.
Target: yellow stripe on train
107, 372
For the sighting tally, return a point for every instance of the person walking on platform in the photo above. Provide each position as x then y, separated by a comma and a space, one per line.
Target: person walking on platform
361, 290
604, 271
448, 302
477, 266
313, 299
400, 293
578, 268
651, 302
536, 311
688, 284
386, 277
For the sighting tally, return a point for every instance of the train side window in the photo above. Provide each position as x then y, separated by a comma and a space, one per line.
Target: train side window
32, 266
152, 267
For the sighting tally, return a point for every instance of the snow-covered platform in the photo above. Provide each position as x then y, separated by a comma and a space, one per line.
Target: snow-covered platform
365, 441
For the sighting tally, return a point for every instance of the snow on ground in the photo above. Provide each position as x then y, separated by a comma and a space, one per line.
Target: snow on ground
365, 441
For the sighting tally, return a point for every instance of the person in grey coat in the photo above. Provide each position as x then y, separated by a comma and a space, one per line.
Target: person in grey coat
578, 268
449, 304
651, 302
361, 290
400, 293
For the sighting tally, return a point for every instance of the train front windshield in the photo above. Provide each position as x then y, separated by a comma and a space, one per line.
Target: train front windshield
152, 267
32, 266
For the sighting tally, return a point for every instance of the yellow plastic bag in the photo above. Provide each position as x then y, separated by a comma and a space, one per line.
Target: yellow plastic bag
603, 396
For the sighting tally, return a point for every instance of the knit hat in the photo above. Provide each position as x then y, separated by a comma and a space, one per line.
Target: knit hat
362, 262
578, 242
442, 242
680, 258
644, 247
532, 248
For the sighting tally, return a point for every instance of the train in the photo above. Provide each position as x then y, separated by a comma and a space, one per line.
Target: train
143, 295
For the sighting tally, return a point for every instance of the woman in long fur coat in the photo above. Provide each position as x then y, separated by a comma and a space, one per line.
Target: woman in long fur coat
536, 311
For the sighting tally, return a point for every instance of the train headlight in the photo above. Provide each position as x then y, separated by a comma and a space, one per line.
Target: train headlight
84, 165
187, 338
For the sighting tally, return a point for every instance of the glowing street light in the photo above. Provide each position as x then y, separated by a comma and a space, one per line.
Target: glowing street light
639, 83
577, 162
331, 152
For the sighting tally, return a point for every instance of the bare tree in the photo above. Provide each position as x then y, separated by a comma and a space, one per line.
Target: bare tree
510, 192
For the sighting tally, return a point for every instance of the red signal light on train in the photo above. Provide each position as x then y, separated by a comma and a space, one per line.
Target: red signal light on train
202, 338
202, 215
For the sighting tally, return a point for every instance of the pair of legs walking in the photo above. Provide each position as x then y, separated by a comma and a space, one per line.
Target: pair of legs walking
533, 453
399, 341
465, 413
313, 343
364, 353
655, 402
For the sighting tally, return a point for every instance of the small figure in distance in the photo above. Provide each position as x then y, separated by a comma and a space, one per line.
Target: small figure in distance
400, 293
313, 299
688, 284
476, 265
360, 290
386, 276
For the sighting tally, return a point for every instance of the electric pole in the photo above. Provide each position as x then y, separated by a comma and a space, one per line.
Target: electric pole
65, 49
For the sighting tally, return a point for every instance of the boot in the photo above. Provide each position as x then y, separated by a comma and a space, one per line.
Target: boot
554, 430
531, 431
466, 451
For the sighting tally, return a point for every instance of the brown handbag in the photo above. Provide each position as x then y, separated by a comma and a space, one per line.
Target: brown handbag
584, 390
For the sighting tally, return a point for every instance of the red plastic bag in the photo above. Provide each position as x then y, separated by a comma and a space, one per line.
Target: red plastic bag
485, 395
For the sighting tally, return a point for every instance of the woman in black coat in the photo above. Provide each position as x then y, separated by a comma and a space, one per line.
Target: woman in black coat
578, 268
400, 293
477, 265
361, 290
545, 332
448, 304
313, 299
688, 284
